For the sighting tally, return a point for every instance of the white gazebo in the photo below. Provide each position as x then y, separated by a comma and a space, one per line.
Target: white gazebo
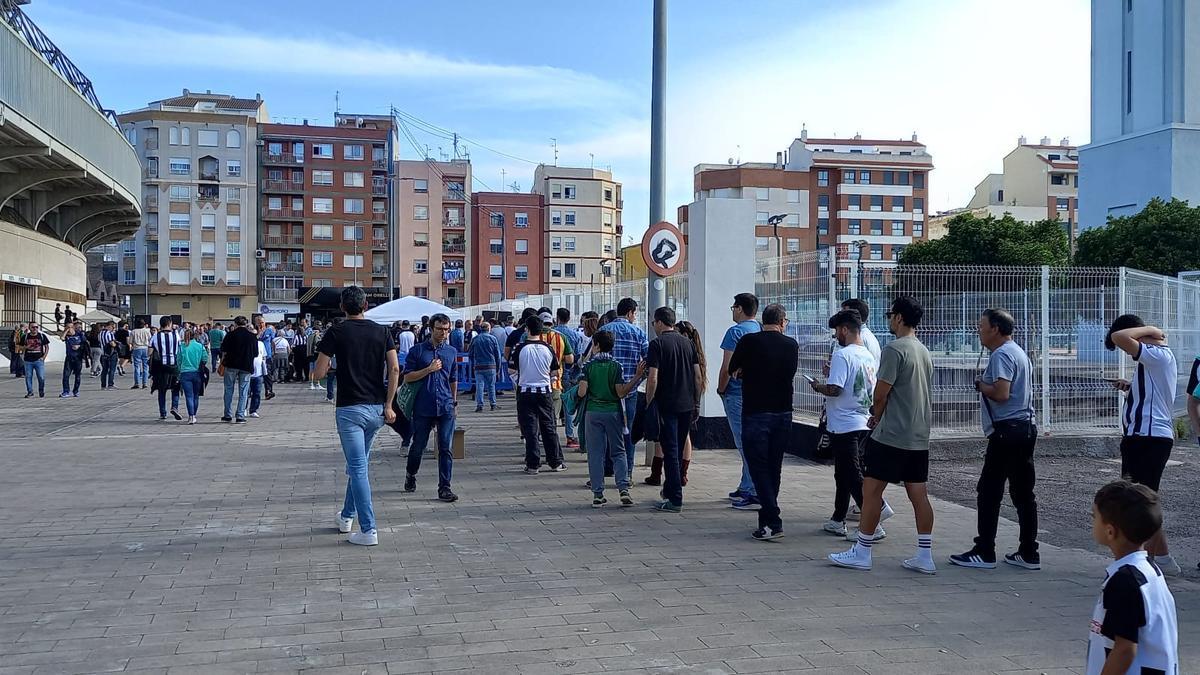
409, 308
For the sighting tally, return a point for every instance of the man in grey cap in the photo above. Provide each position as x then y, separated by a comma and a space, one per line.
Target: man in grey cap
564, 354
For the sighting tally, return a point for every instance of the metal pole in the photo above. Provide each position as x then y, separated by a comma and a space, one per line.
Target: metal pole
145, 286
1044, 349
657, 291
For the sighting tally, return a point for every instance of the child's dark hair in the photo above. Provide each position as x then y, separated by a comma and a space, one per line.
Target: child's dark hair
1132, 508
604, 340
1121, 323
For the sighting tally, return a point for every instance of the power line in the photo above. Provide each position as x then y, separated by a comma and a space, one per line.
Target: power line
446, 133
432, 165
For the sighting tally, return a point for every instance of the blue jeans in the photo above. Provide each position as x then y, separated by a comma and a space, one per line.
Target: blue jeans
766, 438
255, 397
733, 413
190, 383
108, 375
602, 434
72, 365
162, 399
141, 365
422, 426
330, 386
630, 404
356, 426
569, 424
241, 380
485, 378
38, 367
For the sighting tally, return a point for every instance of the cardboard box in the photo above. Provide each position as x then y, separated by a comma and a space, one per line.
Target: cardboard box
458, 447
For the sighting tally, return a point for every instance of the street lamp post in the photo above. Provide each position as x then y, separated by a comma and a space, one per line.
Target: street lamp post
774, 222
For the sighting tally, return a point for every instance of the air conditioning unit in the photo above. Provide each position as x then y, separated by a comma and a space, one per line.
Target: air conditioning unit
259, 253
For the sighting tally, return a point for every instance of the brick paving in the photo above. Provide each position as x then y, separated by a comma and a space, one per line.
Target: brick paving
133, 545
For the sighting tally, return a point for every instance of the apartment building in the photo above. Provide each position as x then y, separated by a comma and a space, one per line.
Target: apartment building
870, 194
325, 208
583, 229
193, 255
508, 249
433, 225
1040, 181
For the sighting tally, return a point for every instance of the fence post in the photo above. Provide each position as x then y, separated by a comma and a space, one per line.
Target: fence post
1044, 349
1121, 287
833, 263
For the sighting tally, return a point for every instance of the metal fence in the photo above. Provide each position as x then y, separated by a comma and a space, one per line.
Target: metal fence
1062, 315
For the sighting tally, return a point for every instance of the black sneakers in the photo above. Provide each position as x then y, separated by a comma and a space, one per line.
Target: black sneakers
446, 495
1028, 561
410, 483
766, 533
975, 559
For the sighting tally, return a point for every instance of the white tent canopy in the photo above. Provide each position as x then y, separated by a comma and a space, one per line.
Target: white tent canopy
97, 316
408, 308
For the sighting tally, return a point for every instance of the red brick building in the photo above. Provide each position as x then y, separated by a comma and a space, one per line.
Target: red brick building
508, 248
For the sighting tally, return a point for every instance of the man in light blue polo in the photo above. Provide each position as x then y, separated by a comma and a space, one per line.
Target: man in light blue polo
744, 309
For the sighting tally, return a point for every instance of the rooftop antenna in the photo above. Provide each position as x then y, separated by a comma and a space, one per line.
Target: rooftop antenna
593, 156
456, 145
502, 176
337, 101
516, 187
427, 152
554, 144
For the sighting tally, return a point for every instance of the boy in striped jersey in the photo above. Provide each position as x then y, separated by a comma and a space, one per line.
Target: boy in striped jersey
1147, 417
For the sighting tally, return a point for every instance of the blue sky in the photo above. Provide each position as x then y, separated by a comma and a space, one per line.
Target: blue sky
969, 76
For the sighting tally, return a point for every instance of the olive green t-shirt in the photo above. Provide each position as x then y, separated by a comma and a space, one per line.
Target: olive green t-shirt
603, 375
905, 364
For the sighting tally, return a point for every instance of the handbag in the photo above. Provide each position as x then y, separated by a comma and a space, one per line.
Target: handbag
823, 451
406, 397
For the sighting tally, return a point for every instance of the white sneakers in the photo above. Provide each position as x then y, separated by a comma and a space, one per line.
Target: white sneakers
254, 415
854, 559
835, 528
920, 564
344, 524
364, 538
312, 386
191, 419
886, 512
880, 534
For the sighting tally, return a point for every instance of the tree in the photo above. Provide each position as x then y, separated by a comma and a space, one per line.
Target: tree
1164, 238
971, 240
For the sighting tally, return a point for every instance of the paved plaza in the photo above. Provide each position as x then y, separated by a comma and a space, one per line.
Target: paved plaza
130, 544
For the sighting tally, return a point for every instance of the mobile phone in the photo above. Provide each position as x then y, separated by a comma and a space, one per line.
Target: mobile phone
810, 378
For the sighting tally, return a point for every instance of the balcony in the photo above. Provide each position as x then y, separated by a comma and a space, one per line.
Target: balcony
454, 247
417, 242
152, 230
378, 270
150, 144
283, 214
455, 301
286, 159
210, 176
269, 266
279, 294
379, 217
379, 190
378, 243
620, 203
152, 202
454, 196
150, 173
380, 164
454, 222
283, 240
282, 186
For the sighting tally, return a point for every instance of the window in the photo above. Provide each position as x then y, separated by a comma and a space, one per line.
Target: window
555, 243
321, 177
235, 303
855, 202
793, 196
323, 150
275, 174
185, 136
761, 217
420, 185
233, 139
322, 259
233, 249
352, 261
568, 243
130, 277
181, 193
556, 191
902, 177
152, 167
793, 245
352, 178
876, 202
918, 228
570, 218
352, 151
569, 270
569, 192
495, 271
522, 272
173, 136
556, 217
793, 220
889, 177
208, 138
876, 251
762, 193
1000, 196
274, 203
897, 203
181, 166
352, 233
918, 204
178, 277
180, 248
322, 205
233, 194
420, 239
876, 227
848, 176
822, 226
822, 201
378, 206
208, 221
556, 270
420, 266
322, 283
608, 196
762, 243
233, 168
180, 221
128, 249
233, 277
522, 246
521, 220
897, 228
608, 246
864, 177
420, 213
298, 205
208, 249
352, 206
421, 291
1063, 203
496, 219
854, 227
452, 217
919, 179
496, 246
823, 178
1058, 179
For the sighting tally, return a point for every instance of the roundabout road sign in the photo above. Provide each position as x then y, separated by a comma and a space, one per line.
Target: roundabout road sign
663, 249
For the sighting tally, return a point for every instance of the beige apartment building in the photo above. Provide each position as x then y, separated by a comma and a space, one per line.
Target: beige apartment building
583, 227
433, 226
193, 256
1040, 181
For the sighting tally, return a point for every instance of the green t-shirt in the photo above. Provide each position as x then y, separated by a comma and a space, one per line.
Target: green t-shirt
905, 364
215, 337
602, 375
191, 356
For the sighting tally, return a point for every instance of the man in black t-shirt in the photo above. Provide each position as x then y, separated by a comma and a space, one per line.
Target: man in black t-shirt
238, 351
766, 364
673, 384
363, 350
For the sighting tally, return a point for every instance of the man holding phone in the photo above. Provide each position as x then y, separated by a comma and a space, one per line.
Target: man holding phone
432, 364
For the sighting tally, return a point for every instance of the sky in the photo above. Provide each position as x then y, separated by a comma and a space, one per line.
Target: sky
968, 76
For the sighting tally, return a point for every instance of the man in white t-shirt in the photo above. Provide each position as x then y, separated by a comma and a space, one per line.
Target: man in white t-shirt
868, 338
849, 390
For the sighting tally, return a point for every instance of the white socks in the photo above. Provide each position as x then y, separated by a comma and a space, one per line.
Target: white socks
863, 546
925, 546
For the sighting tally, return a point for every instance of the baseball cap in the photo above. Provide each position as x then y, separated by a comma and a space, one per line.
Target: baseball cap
546, 318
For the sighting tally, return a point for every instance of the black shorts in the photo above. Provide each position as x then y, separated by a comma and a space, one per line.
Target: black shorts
894, 465
1143, 459
1194, 378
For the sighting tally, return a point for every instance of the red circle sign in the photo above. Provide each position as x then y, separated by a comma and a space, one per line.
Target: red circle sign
663, 249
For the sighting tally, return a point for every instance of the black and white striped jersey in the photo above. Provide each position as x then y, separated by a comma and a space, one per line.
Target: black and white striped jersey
1151, 397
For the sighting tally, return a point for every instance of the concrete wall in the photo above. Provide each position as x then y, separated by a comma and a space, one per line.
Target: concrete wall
1120, 177
61, 267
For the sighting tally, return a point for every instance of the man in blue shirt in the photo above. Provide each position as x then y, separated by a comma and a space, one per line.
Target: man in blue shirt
266, 335
629, 349
485, 359
571, 375
458, 336
432, 364
745, 308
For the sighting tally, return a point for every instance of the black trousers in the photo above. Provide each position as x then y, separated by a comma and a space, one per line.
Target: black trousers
300, 363
672, 434
847, 471
1009, 459
535, 414
764, 441
72, 366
